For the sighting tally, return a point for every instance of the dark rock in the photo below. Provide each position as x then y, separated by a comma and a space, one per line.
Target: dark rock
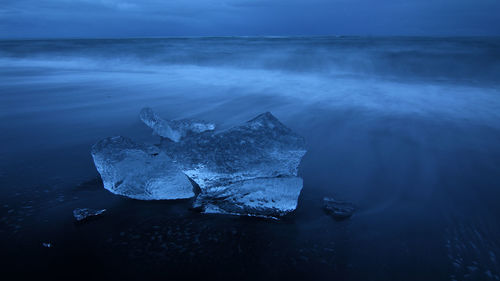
339, 210
84, 214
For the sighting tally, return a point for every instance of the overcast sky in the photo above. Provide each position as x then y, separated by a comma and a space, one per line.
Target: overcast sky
144, 18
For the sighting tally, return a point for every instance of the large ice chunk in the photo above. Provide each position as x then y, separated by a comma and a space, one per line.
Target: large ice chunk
265, 197
247, 170
174, 130
250, 169
261, 148
139, 171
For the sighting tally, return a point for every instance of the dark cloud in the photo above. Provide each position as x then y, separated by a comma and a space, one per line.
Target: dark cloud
124, 18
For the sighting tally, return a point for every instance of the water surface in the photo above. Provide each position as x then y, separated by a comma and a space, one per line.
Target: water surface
408, 129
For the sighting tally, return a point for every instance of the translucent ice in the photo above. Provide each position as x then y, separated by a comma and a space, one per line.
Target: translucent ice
139, 171
174, 130
247, 170
261, 148
250, 169
266, 197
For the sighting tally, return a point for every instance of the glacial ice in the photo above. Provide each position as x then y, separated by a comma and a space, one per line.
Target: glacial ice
82, 214
261, 148
174, 130
250, 169
265, 197
139, 171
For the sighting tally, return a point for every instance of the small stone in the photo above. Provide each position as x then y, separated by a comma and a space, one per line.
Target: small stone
339, 210
84, 214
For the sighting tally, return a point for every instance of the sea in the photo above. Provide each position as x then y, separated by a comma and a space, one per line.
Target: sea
405, 128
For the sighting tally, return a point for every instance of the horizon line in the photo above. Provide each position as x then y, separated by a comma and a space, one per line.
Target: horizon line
244, 36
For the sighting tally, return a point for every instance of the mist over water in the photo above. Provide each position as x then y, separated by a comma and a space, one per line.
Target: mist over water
408, 129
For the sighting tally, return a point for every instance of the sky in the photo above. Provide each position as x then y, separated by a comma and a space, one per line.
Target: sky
151, 18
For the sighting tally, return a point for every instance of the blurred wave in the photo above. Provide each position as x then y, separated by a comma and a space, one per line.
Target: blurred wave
458, 59
453, 79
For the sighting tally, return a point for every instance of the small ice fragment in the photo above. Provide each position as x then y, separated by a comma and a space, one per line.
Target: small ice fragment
338, 209
47, 245
174, 130
139, 171
82, 214
472, 268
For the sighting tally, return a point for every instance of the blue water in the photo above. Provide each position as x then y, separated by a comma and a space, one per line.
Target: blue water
408, 129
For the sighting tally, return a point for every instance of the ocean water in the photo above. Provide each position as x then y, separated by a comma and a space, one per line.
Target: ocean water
408, 129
